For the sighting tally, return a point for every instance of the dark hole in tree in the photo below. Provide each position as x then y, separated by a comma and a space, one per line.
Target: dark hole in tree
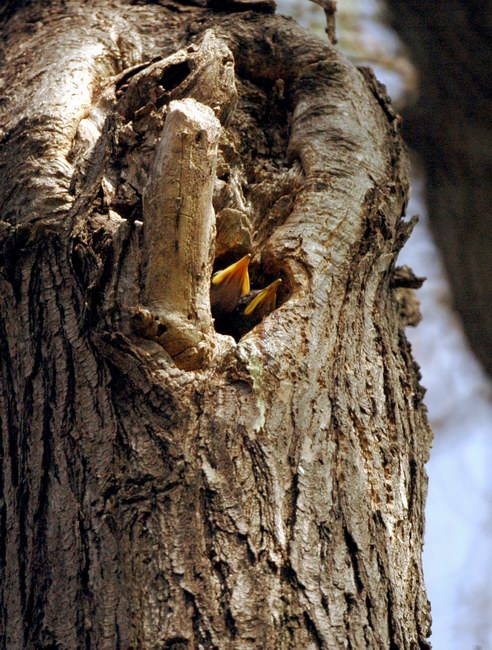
174, 75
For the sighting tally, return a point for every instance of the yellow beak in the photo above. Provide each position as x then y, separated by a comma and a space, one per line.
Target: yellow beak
266, 300
235, 273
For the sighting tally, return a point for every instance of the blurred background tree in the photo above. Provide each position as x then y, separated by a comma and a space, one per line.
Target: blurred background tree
450, 126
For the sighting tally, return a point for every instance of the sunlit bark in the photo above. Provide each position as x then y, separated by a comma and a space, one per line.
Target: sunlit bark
268, 493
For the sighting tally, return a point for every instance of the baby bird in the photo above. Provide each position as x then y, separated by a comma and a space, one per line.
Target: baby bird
253, 308
228, 286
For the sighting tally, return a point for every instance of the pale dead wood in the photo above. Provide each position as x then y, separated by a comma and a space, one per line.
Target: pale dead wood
179, 224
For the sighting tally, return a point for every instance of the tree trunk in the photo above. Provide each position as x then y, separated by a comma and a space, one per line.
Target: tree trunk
451, 127
164, 486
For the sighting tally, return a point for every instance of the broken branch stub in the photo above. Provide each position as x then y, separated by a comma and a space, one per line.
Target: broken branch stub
179, 224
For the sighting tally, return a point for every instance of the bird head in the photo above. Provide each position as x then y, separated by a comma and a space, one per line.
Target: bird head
229, 284
264, 301
251, 310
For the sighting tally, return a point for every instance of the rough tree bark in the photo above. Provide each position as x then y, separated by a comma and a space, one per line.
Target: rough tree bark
162, 485
451, 127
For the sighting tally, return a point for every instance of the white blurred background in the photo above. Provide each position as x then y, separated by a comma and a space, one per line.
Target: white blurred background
458, 541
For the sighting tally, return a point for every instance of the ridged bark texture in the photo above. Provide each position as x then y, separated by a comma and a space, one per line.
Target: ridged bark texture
273, 496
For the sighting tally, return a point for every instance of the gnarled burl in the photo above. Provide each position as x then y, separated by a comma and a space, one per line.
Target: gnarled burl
261, 494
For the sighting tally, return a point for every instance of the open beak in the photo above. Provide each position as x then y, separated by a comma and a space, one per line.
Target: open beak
266, 301
235, 275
